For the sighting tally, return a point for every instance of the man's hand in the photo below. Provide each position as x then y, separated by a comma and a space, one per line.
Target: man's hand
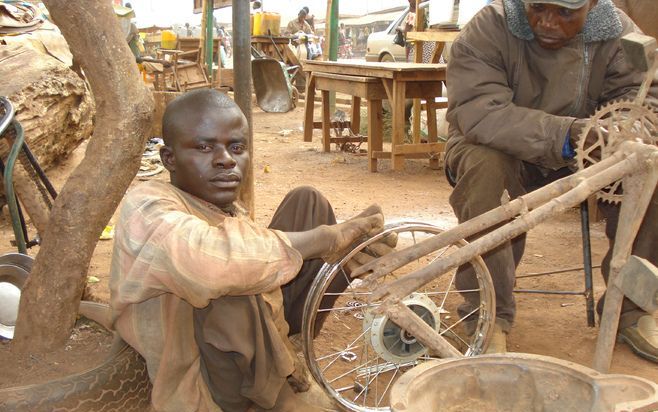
330, 242
367, 223
596, 138
382, 247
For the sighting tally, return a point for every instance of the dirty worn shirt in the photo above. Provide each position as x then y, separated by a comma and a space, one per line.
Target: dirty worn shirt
174, 252
295, 27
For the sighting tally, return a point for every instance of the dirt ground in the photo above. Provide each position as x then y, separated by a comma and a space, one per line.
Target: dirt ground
553, 325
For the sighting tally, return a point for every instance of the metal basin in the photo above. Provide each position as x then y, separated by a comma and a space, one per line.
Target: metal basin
518, 382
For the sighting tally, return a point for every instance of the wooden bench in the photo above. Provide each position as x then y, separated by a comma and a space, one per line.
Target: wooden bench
374, 91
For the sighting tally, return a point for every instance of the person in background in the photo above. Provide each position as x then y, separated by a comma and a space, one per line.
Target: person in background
524, 76
310, 19
299, 24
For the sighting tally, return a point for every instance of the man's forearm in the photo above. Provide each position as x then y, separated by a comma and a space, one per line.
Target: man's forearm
311, 243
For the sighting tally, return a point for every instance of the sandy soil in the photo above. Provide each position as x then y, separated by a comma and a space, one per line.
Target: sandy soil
553, 325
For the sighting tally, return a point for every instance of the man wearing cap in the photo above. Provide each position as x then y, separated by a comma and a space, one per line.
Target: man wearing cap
523, 77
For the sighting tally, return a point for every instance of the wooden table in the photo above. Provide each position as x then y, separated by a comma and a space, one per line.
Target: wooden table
375, 82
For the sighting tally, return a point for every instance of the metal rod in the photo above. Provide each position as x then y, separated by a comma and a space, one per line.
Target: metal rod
550, 292
242, 87
210, 41
587, 262
9, 189
8, 116
554, 272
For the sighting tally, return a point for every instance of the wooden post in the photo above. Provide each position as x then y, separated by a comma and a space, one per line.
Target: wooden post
418, 58
638, 190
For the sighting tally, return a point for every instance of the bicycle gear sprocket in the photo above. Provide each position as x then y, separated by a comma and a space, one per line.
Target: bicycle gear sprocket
620, 121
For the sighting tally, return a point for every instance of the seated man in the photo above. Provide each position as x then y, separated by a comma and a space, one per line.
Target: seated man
524, 76
196, 285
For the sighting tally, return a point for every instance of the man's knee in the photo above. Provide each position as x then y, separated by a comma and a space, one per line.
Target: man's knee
482, 162
482, 175
306, 194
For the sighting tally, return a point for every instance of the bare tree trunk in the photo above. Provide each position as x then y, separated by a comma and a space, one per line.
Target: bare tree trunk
50, 298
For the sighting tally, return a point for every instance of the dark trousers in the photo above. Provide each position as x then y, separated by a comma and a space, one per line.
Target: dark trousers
481, 175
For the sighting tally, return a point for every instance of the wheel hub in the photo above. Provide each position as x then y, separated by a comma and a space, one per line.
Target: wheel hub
395, 344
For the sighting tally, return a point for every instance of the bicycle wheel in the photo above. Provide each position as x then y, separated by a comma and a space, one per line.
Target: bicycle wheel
355, 354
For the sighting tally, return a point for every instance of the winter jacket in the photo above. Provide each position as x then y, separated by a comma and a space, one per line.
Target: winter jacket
507, 92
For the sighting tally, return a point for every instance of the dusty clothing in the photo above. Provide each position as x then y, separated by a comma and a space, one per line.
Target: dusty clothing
294, 26
172, 253
507, 92
244, 358
511, 105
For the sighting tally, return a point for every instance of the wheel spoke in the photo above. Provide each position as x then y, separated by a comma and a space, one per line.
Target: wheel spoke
368, 353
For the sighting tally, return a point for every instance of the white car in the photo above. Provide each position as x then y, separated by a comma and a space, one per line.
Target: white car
380, 46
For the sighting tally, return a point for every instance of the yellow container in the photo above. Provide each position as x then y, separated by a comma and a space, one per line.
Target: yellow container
273, 23
168, 39
251, 24
258, 24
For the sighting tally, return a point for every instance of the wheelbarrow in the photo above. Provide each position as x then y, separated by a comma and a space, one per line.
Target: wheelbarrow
272, 79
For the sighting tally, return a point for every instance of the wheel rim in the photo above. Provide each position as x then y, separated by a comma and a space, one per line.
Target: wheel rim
356, 355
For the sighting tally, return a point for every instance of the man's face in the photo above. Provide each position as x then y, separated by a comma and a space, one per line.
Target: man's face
209, 155
553, 25
301, 16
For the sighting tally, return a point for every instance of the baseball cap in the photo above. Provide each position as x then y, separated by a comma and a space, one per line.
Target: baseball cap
569, 4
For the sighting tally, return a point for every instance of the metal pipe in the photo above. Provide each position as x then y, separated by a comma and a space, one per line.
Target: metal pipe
9, 189
210, 41
242, 87
8, 116
550, 292
553, 272
587, 262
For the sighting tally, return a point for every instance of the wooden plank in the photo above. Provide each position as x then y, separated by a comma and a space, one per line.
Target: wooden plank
432, 132
326, 121
406, 149
355, 79
346, 139
398, 123
355, 116
387, 155
436, 36
363, 90
375, 131
345, 124
309, 106
419, 25
387, 70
